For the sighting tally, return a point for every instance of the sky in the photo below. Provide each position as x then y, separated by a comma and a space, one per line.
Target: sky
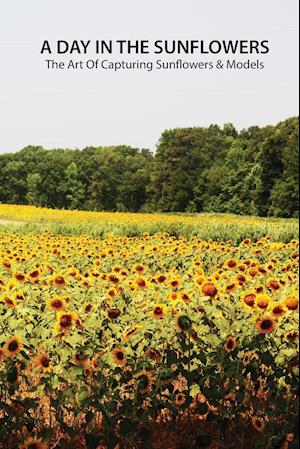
79, 108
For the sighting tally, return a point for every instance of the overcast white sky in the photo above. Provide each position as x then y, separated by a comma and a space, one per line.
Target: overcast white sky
81, 108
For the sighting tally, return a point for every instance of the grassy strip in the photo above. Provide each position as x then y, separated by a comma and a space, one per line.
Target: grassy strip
282, 230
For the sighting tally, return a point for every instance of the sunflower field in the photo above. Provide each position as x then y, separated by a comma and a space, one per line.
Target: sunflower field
147, 342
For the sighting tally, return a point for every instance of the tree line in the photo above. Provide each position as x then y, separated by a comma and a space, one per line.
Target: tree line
212, 169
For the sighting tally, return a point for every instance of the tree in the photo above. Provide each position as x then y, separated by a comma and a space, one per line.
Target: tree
254, 171
34, 182
73, 187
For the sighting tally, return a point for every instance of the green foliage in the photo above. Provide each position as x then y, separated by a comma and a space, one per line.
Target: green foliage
34, 181
73, 187
251, 172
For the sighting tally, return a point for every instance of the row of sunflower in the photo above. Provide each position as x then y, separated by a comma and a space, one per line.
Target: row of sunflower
123, 340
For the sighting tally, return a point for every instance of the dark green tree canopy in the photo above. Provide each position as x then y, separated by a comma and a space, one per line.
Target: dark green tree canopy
213, 169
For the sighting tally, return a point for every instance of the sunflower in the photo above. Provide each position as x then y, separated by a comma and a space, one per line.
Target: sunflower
161, 278
43, 363
117, 269
292, 303
242, 267
159, 311
72, 271
57, 303
292, 336
79, 358
263, 301
59, 281
13, 346
119, 356
174, 283
19, 295
113, 278
231, 287
247, 241
173, 296
198, 265
184, 323
209, 289
33, 443
20, 277
34, 275
248, 299
112, 292
274, 284
258, 424
185, 297
141, 283
138, 268
6, 264
131, 331
180, 399
230, 344
241, 279
278, 310
144, 381
65, 320
10, 302
216, 277
265, 325
231, 264
262, 270
114, 313
152, 354
199, 281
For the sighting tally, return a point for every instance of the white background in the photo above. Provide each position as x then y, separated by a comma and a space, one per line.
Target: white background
81, 108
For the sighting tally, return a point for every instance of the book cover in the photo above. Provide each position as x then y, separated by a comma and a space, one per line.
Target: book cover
149, 197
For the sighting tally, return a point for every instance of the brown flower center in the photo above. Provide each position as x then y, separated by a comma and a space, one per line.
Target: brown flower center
274, 285
161, 279
20, 277
210, 290
230, 344
141, 283
120, 355
45, 362
59, 280
57, 304
113, 313
66, 321
158, 311
13, 345
266, 324
250, 300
